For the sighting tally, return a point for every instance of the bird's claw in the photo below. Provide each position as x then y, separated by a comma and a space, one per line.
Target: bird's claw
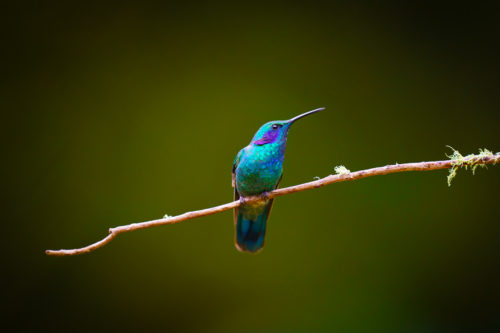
262, 196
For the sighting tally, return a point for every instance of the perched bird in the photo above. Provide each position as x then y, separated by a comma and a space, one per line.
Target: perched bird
257, 169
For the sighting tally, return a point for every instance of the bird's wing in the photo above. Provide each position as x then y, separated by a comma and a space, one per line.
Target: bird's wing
279, 181
236, 194
235, 165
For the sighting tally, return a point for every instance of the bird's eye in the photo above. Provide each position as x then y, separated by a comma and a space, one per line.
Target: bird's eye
275, 126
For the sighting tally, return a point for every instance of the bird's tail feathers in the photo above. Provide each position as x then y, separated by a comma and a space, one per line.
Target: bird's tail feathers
251, 227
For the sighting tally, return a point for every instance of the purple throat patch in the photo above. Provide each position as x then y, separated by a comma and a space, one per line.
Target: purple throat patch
268, 137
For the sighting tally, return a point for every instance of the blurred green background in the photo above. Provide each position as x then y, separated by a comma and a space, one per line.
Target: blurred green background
113, 114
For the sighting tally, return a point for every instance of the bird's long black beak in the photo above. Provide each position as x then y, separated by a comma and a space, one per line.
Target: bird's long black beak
291, 121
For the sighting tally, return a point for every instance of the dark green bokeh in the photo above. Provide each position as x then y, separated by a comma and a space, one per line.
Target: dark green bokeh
122, 114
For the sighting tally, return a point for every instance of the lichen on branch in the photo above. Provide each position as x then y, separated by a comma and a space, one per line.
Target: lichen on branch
471, 161
341, 170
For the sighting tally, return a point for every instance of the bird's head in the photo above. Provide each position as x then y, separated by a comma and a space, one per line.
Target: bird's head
277, 130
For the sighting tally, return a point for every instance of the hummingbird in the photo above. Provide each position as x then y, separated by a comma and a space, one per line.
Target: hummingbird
257, 169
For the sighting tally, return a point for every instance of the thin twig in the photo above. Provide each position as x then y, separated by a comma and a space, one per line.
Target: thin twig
421, 166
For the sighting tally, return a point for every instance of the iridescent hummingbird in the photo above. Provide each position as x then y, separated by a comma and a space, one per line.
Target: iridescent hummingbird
257, 169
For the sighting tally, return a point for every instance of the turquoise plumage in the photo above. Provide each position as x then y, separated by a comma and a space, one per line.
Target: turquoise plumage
257, 169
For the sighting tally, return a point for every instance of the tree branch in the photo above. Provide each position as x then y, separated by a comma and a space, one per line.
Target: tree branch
471, 161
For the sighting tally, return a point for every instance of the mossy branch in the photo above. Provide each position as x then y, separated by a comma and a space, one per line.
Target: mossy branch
470, 161
342, 174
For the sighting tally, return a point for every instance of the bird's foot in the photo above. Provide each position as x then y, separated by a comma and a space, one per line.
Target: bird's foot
242, 200
265, 195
